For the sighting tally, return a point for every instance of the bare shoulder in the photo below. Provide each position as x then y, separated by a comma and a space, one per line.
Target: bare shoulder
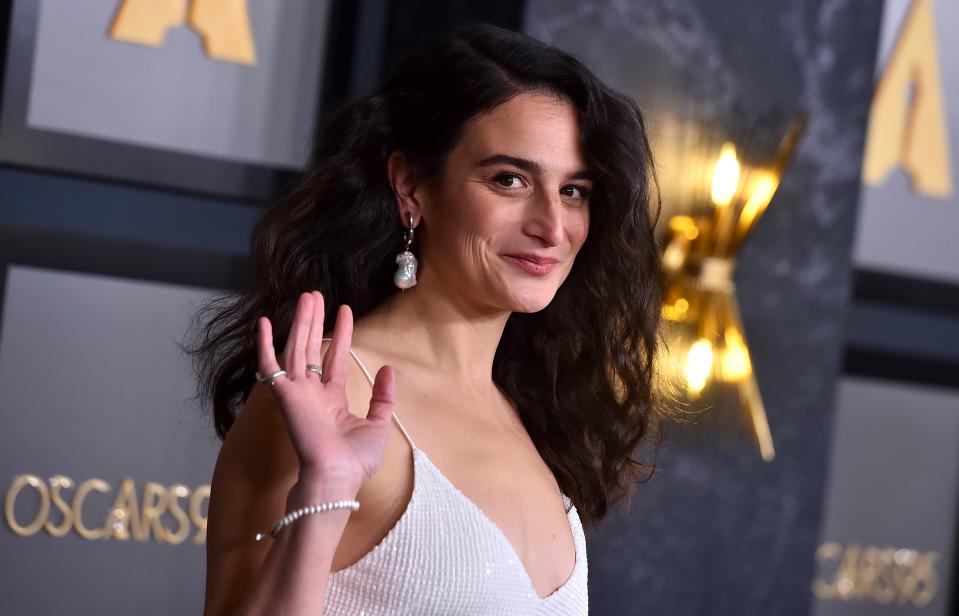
384, 496
254, 472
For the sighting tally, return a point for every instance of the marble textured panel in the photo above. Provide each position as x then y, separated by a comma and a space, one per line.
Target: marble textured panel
718, 531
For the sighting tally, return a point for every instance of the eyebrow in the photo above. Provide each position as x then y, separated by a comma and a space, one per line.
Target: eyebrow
528, 165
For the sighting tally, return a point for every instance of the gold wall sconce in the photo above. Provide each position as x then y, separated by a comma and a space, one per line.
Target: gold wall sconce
732, 181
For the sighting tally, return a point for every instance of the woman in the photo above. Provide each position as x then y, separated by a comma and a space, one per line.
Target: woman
512, 353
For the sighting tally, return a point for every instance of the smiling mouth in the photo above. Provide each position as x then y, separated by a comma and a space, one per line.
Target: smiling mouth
532, 267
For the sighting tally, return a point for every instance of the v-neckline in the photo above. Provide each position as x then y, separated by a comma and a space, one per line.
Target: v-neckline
505, 540
579, 555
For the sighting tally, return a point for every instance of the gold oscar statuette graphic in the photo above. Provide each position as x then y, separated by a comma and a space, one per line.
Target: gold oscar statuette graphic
907, 121
224, 25
132, 514
874, 574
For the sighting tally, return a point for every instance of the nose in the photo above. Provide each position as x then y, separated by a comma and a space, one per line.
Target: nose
545, 219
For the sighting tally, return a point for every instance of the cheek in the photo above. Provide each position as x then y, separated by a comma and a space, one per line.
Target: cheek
578, 229
472, 233
483, 223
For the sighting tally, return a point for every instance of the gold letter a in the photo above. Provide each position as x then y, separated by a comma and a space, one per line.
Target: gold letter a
907, 122
224, 25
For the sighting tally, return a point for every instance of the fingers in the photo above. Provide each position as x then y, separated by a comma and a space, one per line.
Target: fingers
384, 395
294, 353
265, 352
314, 345
304, 344
334, 364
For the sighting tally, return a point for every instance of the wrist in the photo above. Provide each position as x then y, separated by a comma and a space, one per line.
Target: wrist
305, 495
339, 482
313, 491
324, 501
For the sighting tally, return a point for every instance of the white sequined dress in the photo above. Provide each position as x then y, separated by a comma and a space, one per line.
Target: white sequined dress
444, 556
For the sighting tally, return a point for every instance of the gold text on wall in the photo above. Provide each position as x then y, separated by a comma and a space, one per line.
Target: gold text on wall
907, 122
879, 575
224, 25
165, 514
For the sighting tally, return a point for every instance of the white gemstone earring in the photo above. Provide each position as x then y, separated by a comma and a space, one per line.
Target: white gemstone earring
405, 276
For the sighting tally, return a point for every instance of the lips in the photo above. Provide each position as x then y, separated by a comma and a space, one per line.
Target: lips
533, 258
537, 266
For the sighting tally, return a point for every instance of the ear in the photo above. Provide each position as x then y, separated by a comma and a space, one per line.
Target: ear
405, 187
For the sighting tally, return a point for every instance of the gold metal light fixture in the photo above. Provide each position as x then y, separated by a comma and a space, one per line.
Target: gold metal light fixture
736, 180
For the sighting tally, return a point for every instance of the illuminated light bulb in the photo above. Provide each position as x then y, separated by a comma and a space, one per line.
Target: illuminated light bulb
677, 310
725, 175
759, 197
734, 358
685, 225
699, 364
674, 255
680, 222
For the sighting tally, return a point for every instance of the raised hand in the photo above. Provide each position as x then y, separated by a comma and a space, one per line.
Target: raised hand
332, 444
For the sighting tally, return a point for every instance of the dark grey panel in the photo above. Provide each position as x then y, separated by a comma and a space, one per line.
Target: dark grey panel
174, 96
890, 507
94, 210
232, 129
93, 386
717, 531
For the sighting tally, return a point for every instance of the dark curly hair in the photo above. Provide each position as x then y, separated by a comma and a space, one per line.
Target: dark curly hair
580, 371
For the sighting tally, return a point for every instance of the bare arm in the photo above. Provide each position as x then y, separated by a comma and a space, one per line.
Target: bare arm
293, 578
313, 451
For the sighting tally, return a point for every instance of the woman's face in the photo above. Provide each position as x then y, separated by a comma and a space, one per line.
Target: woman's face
515, 185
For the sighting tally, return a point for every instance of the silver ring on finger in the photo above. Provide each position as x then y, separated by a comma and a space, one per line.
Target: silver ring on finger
315, 368
271, 379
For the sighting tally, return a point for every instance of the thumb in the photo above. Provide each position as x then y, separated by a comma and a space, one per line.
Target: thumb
384, 395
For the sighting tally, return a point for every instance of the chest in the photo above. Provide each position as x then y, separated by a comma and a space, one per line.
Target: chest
444, 556
496, 469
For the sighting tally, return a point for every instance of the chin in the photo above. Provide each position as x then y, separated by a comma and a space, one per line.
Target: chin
530, 301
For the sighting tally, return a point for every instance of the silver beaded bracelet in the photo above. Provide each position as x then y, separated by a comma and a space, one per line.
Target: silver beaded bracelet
296, 514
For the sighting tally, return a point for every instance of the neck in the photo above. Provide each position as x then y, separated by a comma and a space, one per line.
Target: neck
433, 329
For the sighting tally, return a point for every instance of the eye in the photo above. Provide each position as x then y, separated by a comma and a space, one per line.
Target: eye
508, 177
583, 191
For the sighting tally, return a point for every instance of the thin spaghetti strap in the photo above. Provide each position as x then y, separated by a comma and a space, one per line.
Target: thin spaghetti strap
370, 379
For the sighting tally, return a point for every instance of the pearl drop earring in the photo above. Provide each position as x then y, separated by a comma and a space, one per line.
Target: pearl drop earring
405, 276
